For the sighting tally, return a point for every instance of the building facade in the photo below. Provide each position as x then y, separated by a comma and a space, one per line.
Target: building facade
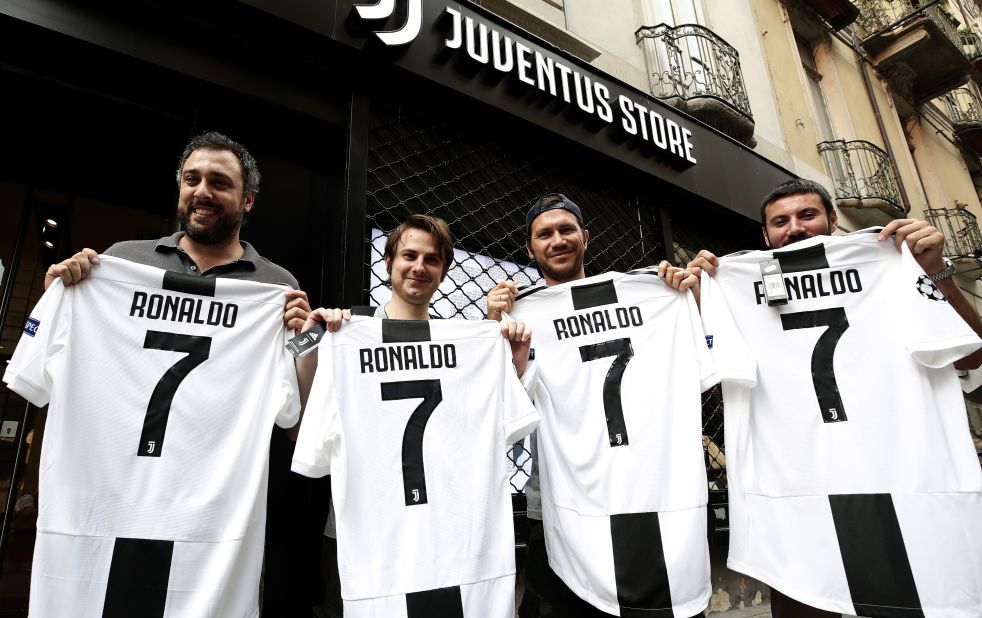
666, 120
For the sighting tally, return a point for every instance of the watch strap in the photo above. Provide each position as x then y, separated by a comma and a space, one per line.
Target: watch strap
948, 271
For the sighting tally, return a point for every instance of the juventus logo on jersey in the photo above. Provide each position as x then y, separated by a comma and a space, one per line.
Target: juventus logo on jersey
415, 495
150, 446
833, 415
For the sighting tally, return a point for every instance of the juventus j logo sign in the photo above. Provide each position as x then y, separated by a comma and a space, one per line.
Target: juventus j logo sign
415, 495
383, 9
150, 446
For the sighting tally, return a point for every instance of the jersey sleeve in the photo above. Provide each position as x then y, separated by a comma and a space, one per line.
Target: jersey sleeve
530, 378
44, 337
320, 423
732, 357
289, 413
520, 417
707, 368
937, 335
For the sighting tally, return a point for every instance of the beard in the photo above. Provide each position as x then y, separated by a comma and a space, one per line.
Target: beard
561, 275
225, 225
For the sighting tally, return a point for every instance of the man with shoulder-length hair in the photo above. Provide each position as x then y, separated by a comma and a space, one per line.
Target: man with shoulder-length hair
418, 254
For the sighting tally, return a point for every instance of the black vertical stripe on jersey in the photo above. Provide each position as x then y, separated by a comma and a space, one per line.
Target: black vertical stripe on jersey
593, 295
405, 331
138, 576
189, 284
800, 260
640, 571
437, 603
363, 310
874, 556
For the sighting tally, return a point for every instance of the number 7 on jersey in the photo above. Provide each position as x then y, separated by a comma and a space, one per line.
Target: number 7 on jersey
158, 410
623, 352
413, 475
823, 371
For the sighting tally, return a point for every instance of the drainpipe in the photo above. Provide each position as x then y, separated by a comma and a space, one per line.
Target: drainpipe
864, 62
883, 132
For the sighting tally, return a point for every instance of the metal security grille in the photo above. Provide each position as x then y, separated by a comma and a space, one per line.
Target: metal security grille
480, 179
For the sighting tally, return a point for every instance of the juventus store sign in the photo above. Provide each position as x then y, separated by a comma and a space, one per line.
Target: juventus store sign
488, 46
474, 52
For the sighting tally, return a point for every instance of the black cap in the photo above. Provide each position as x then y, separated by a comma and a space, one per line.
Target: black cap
564, 203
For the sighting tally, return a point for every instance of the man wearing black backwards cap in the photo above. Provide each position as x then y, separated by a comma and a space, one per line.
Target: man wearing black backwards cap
557, 241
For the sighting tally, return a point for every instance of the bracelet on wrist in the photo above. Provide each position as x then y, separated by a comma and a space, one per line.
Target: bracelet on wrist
948, 271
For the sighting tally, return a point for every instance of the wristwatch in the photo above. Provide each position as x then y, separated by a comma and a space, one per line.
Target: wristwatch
944, 274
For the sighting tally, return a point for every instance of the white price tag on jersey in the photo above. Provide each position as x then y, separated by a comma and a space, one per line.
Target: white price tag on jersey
305, 343
774, 290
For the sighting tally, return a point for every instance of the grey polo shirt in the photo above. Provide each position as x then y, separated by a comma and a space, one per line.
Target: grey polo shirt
168, 255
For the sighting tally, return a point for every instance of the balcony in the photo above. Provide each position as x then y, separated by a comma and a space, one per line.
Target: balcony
965, 112
962, 238
693, 69
837, 13
972, 48
916, 45
863, 176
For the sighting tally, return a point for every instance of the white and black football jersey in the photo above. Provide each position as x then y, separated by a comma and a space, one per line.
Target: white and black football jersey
620, 364
411, 419
853, 483
162, 391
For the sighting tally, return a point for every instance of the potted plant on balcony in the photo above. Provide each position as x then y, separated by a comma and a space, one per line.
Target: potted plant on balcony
872, 16
944, 11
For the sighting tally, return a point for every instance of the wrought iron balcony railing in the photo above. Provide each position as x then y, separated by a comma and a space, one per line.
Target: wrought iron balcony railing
698, 63
963, 107
863, 176
691, 62
971, 44
962, 237
876, 16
